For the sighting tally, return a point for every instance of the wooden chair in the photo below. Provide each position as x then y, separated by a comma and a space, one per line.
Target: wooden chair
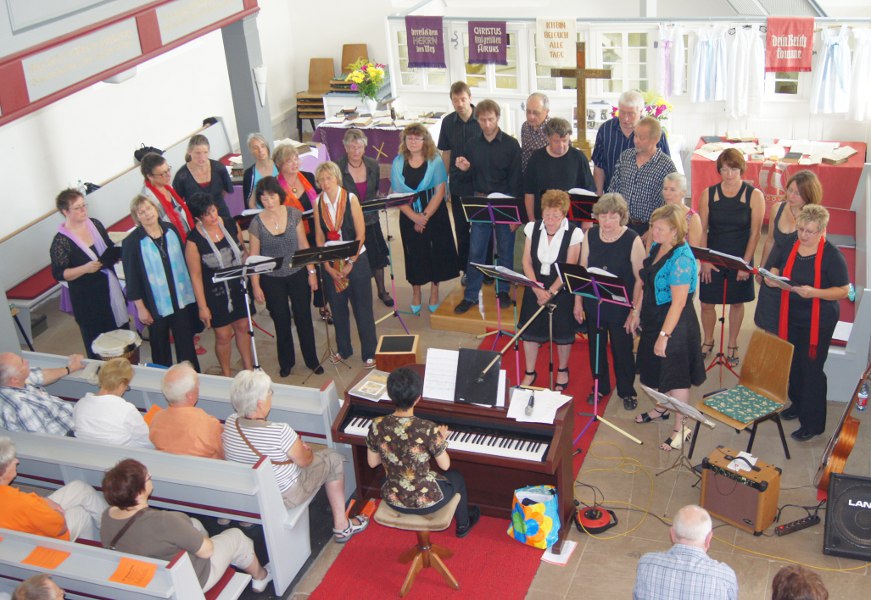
764, 377
423, 554
310, 103
352, 53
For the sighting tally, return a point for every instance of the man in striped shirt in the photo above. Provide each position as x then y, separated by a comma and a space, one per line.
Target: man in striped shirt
25, 404
616, 136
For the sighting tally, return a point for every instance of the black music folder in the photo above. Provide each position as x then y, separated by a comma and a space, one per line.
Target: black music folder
472, 387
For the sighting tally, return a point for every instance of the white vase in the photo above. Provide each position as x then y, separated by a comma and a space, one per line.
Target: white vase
369, 105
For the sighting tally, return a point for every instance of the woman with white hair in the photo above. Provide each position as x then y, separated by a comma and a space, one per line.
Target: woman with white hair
263, 167
299, 471
674, 190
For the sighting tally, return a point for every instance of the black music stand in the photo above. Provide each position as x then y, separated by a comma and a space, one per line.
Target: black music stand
581, 204
495, 209
255, 265
499, 272
317, 256
600, 286
684, 409
382, 204
726, 261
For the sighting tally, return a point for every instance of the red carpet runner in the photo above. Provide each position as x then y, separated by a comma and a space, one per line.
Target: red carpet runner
486, 563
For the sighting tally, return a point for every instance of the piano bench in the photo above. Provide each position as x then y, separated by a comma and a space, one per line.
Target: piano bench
423, 554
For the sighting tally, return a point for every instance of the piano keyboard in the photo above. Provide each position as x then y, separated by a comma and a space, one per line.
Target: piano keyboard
469, 441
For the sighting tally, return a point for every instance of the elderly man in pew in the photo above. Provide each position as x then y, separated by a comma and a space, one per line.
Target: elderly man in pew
25, 404
299, 471
38, 587
129, 525
183, 428
71, 512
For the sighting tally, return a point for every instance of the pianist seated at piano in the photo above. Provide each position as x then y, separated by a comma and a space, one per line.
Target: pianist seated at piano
404, 444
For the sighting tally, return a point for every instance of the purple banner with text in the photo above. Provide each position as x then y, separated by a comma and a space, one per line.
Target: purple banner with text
426, 42
488, 42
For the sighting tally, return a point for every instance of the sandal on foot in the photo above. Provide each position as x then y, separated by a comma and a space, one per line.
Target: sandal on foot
677, 441
326, 315
355, 525
733, 358
707, 348
630, 402
560, 387
532, 374
646, 418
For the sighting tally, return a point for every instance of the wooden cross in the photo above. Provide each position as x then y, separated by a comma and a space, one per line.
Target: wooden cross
581, 74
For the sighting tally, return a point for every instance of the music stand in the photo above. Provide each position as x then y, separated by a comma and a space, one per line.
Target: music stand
685, 410
499, 272
602, 287
725, 261
581, 204
317, 256
255, 265
382, 204
495, 209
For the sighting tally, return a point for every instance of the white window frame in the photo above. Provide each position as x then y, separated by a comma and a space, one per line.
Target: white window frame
425, 85
457, 60
596, 87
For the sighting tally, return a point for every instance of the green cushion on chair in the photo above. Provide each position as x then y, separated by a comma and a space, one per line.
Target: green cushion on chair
742, 404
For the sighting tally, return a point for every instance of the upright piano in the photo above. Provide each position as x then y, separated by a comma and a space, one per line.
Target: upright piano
496, 455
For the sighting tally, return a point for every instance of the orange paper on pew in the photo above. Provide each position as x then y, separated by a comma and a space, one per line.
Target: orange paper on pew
134, 572
47, 558
150, 414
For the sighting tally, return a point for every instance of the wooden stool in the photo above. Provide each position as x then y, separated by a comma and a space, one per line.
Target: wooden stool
423, 554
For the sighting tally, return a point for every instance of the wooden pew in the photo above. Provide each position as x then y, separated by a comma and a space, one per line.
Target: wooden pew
186, 483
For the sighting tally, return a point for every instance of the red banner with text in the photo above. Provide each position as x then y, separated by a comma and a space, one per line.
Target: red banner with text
789, 44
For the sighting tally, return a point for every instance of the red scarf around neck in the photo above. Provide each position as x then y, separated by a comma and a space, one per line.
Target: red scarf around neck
292, 199
783, 326
170, 211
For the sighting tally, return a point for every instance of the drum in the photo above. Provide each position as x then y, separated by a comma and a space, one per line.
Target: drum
114, 344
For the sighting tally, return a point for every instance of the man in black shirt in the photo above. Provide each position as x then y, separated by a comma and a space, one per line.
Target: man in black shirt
458, 128
493, 159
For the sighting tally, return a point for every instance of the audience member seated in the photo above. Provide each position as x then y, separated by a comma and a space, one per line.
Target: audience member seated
129, 525
299, 471
25, 404
69, 513
686, 572
106, 416
38, 587
183, 428
404, 444
793, 582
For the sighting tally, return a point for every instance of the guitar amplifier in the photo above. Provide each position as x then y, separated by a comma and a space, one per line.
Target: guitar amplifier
745, 499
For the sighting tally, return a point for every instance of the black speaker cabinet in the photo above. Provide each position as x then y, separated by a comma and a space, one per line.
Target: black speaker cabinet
848, 517
744, 499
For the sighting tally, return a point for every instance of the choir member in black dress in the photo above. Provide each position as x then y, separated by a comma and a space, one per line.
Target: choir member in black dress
808, 314
430, 254
613, 247
549, 240
95, 293
731, 214
668, 359
803, 188
361, 174
202, 174
557, 166
213, 245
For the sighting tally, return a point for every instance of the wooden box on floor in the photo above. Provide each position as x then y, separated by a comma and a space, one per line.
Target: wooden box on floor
745, 499
396, 351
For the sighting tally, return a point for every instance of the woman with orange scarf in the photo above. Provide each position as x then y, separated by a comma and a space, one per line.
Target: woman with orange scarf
339, 218
808, 314
170, 206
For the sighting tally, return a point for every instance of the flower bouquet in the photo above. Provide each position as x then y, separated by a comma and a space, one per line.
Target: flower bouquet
654, 106
366, 77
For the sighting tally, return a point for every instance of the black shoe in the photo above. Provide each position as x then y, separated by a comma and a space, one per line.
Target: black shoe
463, 306
800, 435
488, 280
590, 399
318, 370
474, 516
386, 299
789, 413
504, 299
630, 402
284, 372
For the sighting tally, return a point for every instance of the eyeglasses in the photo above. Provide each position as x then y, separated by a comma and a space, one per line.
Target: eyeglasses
807, 231
163, 173
79, 207
148, 477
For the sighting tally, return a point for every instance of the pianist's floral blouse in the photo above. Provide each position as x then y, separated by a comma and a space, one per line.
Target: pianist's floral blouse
406, 445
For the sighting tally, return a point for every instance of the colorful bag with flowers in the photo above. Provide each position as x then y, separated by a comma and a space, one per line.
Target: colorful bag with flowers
535, 516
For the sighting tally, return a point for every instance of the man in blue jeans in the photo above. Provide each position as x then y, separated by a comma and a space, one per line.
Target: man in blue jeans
493, 158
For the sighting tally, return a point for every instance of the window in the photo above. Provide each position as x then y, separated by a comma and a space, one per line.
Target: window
493, 78
785, 83
626, 54
544, 81
423, 79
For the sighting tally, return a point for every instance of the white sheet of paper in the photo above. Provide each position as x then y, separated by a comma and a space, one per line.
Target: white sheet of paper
544, 408
440, 375
582, 192
740, 465
842, 331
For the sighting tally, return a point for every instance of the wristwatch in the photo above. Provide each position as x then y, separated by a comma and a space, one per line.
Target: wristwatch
351, 260
664, 334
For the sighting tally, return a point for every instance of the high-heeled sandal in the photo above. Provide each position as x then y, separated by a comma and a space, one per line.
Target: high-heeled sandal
534, 376
646, 418
560, 387
733, 359
710, 348
326, 315
677, 442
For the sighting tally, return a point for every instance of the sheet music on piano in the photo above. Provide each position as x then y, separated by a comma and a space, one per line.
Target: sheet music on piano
440, 376
544, 408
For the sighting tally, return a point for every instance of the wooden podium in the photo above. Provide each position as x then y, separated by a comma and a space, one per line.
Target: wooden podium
396, 351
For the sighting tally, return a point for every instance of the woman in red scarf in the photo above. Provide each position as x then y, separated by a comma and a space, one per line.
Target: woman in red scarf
170, 206
808, 314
